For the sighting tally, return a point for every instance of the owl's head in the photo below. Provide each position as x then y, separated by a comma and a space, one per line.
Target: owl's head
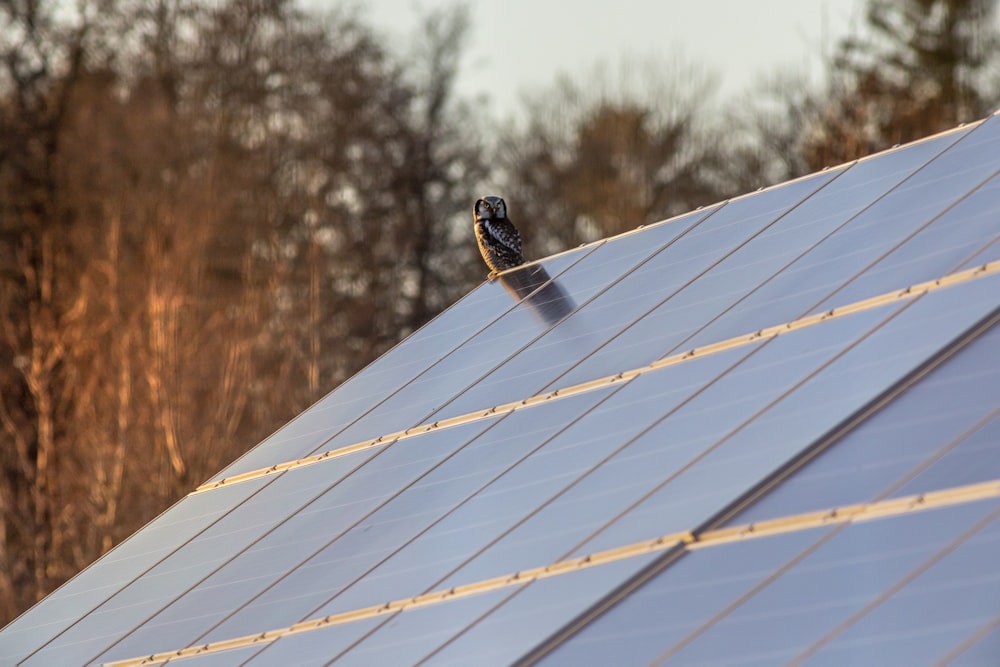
490, 207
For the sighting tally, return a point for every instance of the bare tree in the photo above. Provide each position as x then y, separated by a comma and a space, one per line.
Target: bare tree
915, 68
610, 151
210, 213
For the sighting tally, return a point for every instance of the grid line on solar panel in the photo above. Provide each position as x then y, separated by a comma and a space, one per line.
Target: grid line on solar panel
837, 516
968, 642
911, 292
987, 250
376, 505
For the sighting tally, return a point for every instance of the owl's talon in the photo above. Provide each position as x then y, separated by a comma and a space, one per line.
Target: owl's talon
492, 276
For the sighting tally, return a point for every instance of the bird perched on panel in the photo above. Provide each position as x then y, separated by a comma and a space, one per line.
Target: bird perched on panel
498, 238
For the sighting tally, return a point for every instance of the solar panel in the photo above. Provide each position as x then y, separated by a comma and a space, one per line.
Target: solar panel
403, 638
943, 245
753, 448
423, 398
334, 505
833, 583
770, 423
979, 648
683, 596
422, 557
928, 610
794, 593
127, 562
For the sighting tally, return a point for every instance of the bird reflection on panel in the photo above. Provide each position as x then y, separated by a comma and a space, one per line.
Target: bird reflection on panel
500, 245
541, 294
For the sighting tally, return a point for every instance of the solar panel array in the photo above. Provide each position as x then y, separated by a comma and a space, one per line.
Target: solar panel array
765, 432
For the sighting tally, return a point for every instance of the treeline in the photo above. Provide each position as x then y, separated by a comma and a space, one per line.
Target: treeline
211, 213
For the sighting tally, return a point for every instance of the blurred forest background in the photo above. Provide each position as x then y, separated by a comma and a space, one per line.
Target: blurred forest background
213, 212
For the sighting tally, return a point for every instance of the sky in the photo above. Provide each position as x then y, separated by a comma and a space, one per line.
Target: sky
522, 45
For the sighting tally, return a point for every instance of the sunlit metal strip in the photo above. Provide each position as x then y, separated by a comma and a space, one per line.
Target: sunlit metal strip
911, 292
850, 513
830, 517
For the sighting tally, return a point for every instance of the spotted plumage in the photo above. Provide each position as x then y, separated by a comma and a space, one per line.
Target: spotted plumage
498, 238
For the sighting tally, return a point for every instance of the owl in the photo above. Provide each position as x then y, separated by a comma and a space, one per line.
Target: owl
498, 239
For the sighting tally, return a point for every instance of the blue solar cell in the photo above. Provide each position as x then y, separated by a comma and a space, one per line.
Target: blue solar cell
687, 255
877, 457
397, 367
989, 253
342, 557
980, 648
410, 635
117, 569
698, 587
974, 458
